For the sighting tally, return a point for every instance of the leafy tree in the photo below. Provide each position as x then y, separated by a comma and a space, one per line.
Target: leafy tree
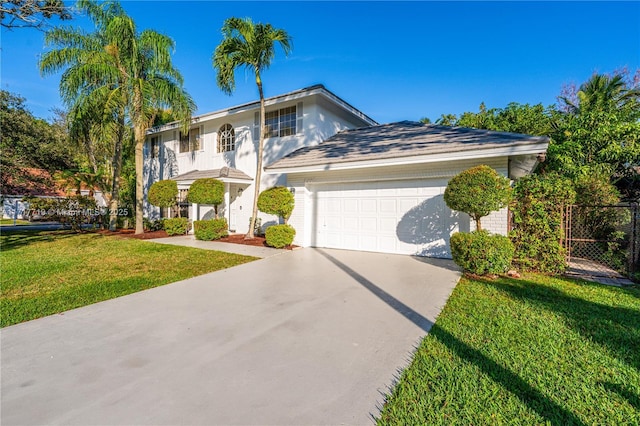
163, 193
251, 46
129, 73
538, 212
29, 142
277, 200
478, 191
207, 191
600, 133
32, 13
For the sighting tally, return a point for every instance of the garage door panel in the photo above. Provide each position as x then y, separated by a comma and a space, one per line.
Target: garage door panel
388, 205
404, 217
369, 205
369, 224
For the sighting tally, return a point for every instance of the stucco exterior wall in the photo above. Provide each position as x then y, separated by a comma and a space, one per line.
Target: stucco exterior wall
319, 121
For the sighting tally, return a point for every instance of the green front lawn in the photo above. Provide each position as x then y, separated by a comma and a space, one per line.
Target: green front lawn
45, 273
537, 350
5, 222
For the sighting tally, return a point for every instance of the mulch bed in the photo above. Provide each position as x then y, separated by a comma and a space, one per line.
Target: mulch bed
130, 233
234, 239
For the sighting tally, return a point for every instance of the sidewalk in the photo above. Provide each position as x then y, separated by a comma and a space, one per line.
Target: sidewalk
190, 241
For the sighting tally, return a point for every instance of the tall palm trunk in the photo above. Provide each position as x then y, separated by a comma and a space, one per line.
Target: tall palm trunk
116, 164
256, 192
139, 136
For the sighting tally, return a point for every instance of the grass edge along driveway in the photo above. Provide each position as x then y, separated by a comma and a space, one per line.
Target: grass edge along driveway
45, 273
539, 350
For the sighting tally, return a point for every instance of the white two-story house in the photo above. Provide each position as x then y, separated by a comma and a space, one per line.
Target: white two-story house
223, 145
357, 184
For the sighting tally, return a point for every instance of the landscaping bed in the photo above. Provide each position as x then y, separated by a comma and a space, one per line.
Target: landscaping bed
538, 350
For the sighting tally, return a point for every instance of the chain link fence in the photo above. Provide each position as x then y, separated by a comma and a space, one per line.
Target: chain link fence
603, 240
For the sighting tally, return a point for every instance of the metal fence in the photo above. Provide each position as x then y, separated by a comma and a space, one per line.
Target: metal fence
603, 240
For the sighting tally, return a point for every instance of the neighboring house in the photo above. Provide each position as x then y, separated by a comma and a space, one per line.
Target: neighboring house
38, 183
358, 185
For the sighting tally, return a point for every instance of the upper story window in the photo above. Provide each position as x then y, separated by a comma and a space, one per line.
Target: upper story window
191, 141
155, 146
281, 122
226, 138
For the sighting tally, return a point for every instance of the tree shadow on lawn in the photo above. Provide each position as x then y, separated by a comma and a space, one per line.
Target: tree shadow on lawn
14, 240
632, 398
553, 412
530, 396
615, 328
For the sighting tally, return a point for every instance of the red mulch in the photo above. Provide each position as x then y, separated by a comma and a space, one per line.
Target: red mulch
235, 238
130, 233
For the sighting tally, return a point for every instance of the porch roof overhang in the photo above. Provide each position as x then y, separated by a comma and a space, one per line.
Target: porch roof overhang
225, 174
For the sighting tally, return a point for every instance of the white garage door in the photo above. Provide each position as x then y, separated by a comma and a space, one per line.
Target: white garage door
403, 217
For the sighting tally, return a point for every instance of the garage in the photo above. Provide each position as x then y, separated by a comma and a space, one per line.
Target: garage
401, 217
381, 188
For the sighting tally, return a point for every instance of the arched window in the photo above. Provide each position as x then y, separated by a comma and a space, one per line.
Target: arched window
226, 138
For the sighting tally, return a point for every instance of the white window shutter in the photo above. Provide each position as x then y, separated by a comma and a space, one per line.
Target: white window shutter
299, 115
256, 126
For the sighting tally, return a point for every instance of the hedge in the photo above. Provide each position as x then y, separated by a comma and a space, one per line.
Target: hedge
208, 230
280, 236
481, 253
176, 225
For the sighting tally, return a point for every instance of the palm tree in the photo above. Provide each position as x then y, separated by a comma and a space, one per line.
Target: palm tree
602, 93
127, 72
91, 88
251, 46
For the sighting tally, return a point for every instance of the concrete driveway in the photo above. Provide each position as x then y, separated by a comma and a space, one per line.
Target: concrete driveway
312, 336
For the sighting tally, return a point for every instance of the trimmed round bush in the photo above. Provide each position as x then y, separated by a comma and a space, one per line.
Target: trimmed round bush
208, 230
478, 191
176, 225
481, 253
163, 193
277, 200
206, 191
280, 236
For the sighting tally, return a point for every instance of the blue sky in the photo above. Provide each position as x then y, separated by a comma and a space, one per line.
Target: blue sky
392, 60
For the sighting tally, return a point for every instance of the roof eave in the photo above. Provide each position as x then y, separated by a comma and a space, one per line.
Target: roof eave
534, 148
286, 97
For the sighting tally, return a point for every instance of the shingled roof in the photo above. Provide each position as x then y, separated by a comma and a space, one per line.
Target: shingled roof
398, 140
225, 173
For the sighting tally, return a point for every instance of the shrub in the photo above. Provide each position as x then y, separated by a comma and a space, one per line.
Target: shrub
206, 191
277, 200
74, 211
177, 226
152, 225
537, 233
481, 253
163, 193
478, 191
212, 229
280, 236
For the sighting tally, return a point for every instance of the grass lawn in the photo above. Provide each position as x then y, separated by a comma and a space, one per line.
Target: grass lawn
45, 273
5, 222
537, 350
